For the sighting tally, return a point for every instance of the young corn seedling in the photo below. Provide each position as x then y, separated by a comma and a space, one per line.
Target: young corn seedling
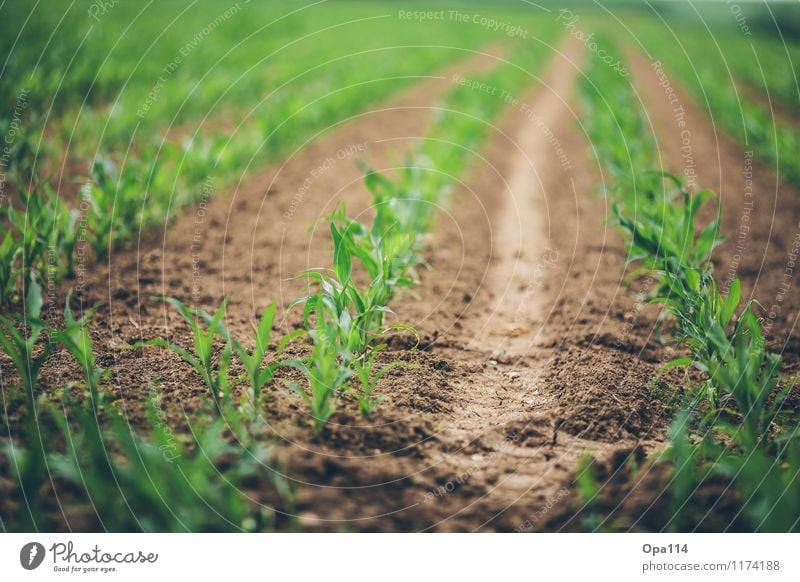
703, 317
768, 482
64, 236
76, 339
9, 251
29, 464
688, 471
115, 206
158, 482
326, 370
744, 403
20, 346
48, 233
406, 204
588, 489
388, 258
737, 364
369, 374
663, 232
764, 476
202, 360
258, 374
35, 225
357, 315
747, 373
387, 251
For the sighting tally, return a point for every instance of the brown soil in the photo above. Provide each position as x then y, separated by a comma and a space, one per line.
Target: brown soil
532, 349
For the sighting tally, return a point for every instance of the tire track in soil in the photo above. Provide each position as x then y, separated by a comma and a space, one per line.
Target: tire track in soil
494, 437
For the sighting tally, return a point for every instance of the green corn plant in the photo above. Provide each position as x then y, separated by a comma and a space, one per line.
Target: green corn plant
77, 341
703, 316
198, 158
65, 233
259, 375
35, 225
29, 465
20, 156
387, 258
765, 477
20, 346
139, 483
588, 489
47, 234
404, 205
688, 471
736, 363
700, 310
368, 374
202, 360
748, 374
9, 251
663, 232
326, 369
114, 206
388, 251
99, 195
157, 169
356, 314
160, 482
768, 482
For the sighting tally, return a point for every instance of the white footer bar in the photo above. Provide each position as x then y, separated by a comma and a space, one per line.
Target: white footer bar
388, 557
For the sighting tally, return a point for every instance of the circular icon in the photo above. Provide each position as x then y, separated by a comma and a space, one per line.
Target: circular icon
31, 555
